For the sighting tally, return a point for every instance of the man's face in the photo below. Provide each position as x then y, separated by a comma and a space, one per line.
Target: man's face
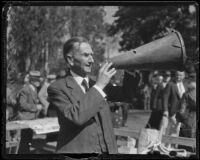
35, 83
166, 78
179, 76
82, 59
159, 79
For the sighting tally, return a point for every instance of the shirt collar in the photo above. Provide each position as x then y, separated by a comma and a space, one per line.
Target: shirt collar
179, 83
78, 78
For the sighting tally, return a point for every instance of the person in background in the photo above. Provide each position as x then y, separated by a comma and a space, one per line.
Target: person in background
28, 109
61, 74
81, 103
157, 106
26, 79
14, 84
42, 95
153, 86
47, 109
187, 112
172, 95
166, 80
147, 96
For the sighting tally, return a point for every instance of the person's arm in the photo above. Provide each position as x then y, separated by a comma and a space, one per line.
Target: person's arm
24, 105
92, 102
77, 112
42, 98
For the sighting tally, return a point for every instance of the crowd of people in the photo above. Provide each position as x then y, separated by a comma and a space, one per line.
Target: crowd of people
173, 105
81, 103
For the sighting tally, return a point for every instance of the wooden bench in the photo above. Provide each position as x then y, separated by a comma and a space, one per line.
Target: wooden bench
124, 149
191, 142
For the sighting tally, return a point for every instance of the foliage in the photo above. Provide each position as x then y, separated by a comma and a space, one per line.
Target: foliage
35, 30
142, 24
31, 28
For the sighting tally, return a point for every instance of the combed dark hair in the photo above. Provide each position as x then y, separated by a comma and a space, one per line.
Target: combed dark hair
68, 46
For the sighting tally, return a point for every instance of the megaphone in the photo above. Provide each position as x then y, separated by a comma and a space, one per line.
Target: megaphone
167, 53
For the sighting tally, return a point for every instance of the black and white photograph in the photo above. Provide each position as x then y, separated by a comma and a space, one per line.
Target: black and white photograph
91, 80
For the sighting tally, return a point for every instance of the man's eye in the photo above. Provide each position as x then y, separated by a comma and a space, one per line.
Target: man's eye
87, 55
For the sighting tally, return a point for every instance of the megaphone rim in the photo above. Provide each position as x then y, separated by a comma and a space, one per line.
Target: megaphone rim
184, 56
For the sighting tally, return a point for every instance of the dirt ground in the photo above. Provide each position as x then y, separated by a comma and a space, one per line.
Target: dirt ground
137, 119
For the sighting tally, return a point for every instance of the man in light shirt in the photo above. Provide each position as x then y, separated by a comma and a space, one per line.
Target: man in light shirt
171, 100
81, 103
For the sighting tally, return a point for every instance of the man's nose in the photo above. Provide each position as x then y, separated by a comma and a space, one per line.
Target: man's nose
91, 60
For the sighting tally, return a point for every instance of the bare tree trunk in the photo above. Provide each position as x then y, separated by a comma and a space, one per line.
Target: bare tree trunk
27, 64
46, 67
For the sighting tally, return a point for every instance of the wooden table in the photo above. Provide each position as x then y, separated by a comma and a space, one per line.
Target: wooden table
39, 126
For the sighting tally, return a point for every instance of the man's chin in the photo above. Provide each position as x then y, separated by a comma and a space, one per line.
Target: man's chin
88, 70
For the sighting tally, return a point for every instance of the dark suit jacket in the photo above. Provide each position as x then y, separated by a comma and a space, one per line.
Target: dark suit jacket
77, 110
171, 97
157, 108
158, 98
26, 103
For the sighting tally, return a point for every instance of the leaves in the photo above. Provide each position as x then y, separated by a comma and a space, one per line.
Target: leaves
142, 24
32, 27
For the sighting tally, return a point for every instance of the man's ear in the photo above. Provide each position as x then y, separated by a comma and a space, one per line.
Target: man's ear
70, 60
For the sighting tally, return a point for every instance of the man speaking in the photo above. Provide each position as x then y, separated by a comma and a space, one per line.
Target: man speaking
81, 103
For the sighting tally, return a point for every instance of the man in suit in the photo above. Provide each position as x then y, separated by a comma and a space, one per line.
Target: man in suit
28, 108
157, 121
171, 101
81, 103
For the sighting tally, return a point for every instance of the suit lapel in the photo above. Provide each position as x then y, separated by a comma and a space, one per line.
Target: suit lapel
77, 93
185, 85
176, 88
75, 89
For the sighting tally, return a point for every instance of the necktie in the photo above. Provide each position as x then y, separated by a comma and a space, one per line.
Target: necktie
85, 85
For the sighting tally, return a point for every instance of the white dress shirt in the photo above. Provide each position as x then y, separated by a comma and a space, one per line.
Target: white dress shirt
181, 88
79, 80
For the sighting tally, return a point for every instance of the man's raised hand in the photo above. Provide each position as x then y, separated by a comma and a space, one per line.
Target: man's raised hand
105, 74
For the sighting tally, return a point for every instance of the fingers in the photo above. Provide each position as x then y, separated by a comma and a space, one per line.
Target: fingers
106, 66
112, 72
103, 66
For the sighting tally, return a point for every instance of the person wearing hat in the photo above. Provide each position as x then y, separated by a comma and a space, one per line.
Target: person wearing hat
28, 108
42, 95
